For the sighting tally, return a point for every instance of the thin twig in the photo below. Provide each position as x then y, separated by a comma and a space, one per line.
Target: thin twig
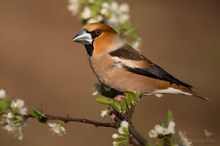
80, 120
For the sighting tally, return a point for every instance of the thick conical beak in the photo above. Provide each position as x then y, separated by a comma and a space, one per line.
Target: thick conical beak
83, 37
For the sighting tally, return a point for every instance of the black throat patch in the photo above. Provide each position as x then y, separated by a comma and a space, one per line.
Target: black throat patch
89, 49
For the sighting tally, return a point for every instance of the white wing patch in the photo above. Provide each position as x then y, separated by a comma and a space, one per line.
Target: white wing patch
119, 62
169, 90
159, 95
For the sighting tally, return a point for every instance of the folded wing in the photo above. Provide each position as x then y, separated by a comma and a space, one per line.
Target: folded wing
132, 61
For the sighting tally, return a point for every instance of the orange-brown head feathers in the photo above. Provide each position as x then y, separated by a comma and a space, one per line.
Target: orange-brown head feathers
98, 38
105, 28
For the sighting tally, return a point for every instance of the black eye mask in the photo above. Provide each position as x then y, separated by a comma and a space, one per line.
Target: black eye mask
96, 33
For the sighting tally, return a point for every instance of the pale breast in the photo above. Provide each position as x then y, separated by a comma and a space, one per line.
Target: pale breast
116, 77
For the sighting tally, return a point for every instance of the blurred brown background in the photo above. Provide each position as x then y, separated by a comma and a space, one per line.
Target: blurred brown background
40, 64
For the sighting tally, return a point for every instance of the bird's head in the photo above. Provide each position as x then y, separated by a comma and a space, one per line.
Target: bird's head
98, 38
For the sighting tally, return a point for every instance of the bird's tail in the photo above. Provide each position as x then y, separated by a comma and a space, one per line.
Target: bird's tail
201, 97
197, 95
189, 91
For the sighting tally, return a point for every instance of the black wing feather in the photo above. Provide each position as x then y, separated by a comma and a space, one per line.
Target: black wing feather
127, 52
157, 73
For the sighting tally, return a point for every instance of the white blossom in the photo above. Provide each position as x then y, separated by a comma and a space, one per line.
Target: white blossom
159, 129
15, 130
123, 18
18, 106
184, 140
117, 14
114, 6
95, 92
2, 93
8, 118
153, 134
122, 137
104, 113
57, 128
86, 13
99, 18
73, 6
115, 136
113, 13
11, 125
123, 127
124, 124
124, 8
115, 143
105, 5
104, 11
171, 127
120, 130
113, 19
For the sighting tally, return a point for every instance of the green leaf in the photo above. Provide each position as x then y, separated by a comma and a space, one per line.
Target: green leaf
18, 119
128, 100
38, 114
103, 100
169, 116
123, 105
116, 106
134, 97
5, 104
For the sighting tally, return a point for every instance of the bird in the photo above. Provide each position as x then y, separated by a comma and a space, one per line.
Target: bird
120, 67
207, 133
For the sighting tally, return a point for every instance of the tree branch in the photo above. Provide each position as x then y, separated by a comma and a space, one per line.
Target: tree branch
79, 120
137, 135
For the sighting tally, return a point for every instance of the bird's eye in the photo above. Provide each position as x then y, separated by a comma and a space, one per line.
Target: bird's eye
98, 32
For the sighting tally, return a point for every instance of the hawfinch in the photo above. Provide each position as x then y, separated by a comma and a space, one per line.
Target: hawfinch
117, 65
